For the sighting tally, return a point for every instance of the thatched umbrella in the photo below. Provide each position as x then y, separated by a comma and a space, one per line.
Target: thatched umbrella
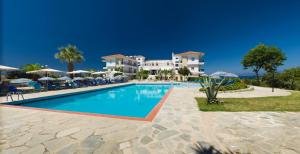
6, 69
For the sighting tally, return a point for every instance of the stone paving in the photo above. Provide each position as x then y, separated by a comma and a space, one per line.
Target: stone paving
176, 129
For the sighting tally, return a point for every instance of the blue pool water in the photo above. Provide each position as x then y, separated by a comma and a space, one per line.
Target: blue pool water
131, 101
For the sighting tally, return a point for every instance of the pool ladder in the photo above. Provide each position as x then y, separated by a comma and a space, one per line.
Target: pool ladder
11, 94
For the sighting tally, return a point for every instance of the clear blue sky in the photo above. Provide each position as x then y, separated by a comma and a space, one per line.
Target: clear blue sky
224, 30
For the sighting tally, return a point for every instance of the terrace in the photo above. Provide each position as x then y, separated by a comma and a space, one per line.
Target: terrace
177, 127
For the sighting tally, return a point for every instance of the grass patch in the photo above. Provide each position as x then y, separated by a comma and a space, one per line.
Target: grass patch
278, 103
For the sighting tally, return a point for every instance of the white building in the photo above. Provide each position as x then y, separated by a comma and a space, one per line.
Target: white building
153, 66
190, 59
130, 64
139, 59
119, 62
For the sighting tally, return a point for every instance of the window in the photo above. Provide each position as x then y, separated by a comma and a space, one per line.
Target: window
193, 58
192, 68
156, 64
176, 65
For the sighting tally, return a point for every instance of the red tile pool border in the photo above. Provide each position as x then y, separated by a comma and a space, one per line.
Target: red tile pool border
149, 117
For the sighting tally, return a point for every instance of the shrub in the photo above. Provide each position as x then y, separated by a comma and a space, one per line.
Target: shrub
234, 86
194, 78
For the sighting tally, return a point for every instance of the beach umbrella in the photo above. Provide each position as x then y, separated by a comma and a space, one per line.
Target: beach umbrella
78, 79
220, 74
46, 79
119, 76
79, 72
99, 78
89, 78
99, 73
45, 71
6, 69
64, 78
114, 72
20, 81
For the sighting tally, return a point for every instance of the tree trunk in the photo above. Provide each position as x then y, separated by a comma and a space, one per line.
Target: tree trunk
70, 68
257, 77
273, 80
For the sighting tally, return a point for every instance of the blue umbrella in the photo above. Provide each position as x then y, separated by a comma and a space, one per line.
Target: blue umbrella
224, 75
89, 78
65, 78
20, 81
99, 78
78, 79
46, 79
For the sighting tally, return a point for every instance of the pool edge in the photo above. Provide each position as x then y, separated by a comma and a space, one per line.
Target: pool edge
151, 115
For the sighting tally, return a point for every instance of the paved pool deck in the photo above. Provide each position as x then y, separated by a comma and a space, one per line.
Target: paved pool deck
177, 127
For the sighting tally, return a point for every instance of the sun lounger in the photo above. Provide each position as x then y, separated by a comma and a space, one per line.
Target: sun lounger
13, 90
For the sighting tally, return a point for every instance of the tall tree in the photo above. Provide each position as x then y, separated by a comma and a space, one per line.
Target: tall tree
142, 74
165, 74
255, 59
27, 68
289, 76
184, 71
274, 58
70, 55
31, 67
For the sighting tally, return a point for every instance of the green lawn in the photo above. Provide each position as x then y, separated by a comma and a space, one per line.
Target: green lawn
279, 103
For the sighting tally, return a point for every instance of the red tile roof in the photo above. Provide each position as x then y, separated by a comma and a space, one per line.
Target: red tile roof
191, 53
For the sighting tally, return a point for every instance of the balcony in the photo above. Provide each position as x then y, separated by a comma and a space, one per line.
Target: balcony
195, 63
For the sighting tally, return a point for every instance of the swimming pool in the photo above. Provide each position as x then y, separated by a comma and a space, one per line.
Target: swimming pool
135, 100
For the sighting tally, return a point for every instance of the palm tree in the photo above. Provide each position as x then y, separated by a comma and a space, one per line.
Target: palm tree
70, 55
31, 67
165, 74
171, 74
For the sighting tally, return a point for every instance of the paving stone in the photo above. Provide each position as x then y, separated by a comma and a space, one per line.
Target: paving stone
35, 150
127, 151
156, 145
124, 145
179, 152
146, 140
157, 126
71, 149
14, 150
156, 131
186, 137
142, 150
288, 151
2, 142
82, 134
58, 144
166, 134
109, 148
22, 140
37, 139
67, 132
91, 143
